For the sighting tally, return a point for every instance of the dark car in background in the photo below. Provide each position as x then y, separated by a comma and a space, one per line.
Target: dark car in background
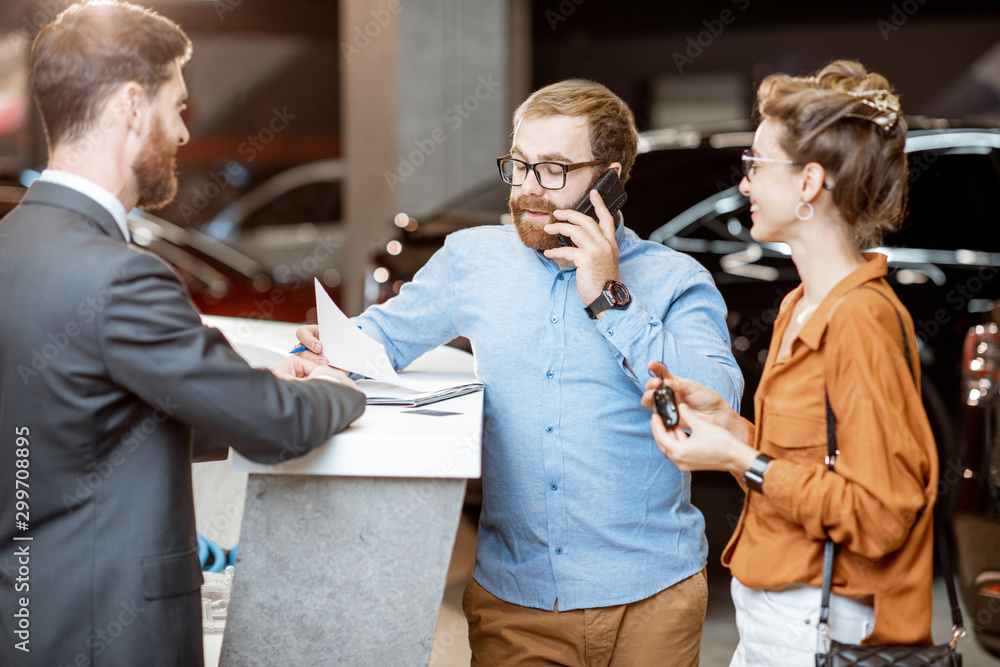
220, 278
944, 265
291, 224
977, 478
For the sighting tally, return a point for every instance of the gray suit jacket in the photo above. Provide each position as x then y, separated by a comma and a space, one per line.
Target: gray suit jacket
105, 368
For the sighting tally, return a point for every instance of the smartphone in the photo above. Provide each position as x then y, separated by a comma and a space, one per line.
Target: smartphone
609, 186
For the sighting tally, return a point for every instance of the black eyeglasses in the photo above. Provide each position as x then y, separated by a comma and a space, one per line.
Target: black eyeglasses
749, 162
550, 175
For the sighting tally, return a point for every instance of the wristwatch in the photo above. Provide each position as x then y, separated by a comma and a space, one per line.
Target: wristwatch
754, 477
614, 295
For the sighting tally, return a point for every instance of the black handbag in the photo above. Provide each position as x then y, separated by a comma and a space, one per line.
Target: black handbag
839, 654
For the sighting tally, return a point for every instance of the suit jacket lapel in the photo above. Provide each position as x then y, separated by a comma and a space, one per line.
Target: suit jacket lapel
59, 196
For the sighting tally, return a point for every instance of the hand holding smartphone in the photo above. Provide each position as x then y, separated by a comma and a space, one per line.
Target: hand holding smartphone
612, 192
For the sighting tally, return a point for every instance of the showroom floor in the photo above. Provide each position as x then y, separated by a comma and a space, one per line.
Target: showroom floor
719, 638
219, 495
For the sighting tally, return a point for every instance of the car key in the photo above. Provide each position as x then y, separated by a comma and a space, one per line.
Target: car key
666, 404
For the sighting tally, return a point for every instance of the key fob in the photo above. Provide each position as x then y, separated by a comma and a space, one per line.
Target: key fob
666, 405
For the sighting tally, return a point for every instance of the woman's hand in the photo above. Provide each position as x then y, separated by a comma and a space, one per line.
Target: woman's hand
709, 447
701, 400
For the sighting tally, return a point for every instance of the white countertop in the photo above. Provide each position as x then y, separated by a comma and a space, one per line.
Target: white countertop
387, 441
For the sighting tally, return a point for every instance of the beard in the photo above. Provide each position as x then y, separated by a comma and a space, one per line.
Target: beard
155, 170
531, 233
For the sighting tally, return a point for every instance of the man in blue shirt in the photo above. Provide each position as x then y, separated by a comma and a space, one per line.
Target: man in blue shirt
589, 548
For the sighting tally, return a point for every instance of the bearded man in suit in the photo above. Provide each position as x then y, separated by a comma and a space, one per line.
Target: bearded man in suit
106, 369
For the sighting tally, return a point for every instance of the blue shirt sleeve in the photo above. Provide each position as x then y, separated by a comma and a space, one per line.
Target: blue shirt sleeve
691, 338
417, 319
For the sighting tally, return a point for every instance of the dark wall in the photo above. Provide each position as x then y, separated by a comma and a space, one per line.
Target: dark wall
925, 48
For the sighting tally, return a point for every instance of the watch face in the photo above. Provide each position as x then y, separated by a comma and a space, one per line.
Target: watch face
618, 293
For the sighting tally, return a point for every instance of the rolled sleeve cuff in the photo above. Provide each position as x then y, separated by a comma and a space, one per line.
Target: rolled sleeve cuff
621, 328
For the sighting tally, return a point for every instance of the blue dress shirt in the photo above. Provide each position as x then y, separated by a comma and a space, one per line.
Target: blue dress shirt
579, 504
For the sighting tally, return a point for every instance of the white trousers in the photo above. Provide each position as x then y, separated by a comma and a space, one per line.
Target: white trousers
779, 628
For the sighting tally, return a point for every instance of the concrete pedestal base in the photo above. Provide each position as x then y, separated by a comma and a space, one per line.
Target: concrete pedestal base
340, 570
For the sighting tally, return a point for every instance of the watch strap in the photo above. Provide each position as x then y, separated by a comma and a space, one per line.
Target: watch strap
604, 301
754, 477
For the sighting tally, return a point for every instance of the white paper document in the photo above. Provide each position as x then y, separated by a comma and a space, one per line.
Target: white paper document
350, 349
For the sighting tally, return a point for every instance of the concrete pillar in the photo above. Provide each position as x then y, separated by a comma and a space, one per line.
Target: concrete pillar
426, 110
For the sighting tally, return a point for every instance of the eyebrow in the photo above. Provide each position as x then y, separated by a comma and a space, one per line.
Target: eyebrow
546, 157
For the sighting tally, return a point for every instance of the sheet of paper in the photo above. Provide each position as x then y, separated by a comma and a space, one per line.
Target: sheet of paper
347, 347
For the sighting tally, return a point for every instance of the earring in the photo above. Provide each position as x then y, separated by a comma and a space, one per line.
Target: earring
807, 205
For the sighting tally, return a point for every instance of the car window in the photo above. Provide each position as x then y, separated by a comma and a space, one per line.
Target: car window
951, 197
312, 202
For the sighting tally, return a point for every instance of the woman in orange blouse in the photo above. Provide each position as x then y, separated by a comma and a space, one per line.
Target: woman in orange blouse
826, 175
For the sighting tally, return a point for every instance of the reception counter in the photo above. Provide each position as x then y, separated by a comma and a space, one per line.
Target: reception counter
344, 552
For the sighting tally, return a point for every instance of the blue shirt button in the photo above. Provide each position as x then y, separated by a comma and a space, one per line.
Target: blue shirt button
611, 332
562, 277
554, 487
548, 429
559, 551
550, 375
554, 319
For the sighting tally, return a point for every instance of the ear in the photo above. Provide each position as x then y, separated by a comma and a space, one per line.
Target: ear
617, 166
812, 184
132, 105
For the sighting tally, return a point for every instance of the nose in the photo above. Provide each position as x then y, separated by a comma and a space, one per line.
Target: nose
530, 185
185, 135
745, 186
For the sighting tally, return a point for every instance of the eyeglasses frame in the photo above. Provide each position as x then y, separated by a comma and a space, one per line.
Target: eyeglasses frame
533, 167
747, 159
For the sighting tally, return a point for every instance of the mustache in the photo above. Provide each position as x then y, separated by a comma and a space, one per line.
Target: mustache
529, 203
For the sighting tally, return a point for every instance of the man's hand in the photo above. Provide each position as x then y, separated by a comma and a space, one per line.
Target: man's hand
332, 375
297, 368
308, 335
293, 368
596, 253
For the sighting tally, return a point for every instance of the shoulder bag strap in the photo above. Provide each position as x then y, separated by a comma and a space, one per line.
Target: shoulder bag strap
829, 550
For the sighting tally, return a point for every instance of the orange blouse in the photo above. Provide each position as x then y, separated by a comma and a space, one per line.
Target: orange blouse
878, 504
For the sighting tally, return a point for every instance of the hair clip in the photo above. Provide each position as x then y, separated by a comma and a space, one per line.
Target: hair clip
887, 110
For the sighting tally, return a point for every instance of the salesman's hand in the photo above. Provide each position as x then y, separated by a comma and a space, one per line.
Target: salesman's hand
332, 375
297, 368
293, 368
596, 253
308, 335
